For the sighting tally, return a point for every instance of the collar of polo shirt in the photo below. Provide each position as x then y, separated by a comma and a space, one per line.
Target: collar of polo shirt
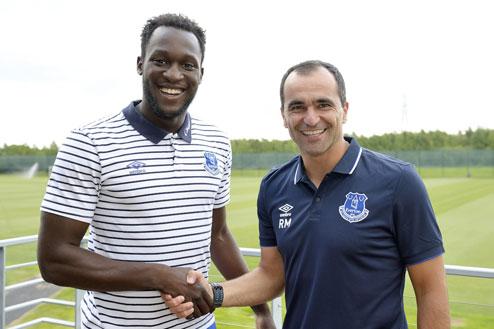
346, 165
150, 131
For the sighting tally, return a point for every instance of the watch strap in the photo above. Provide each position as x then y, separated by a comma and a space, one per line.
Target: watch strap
217, 294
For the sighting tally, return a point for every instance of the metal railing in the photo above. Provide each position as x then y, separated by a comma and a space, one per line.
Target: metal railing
4, 244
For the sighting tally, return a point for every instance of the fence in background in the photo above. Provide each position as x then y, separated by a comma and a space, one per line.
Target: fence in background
19, 163
436, 163
4, 288
468, 159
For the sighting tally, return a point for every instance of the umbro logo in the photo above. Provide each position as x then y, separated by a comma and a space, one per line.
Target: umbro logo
136, 167
286, 208
285, 217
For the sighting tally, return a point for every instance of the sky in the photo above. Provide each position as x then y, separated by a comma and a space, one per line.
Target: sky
408, 65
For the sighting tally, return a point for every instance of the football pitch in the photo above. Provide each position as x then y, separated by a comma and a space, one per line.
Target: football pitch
464, 208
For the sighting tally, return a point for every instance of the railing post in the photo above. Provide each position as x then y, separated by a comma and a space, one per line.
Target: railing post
77, 310
3, 282
276, 310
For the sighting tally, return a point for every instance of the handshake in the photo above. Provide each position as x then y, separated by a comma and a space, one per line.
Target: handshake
195, 301
193, 296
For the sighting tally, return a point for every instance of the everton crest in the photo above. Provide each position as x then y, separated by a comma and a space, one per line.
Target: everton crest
211, 163
353, 210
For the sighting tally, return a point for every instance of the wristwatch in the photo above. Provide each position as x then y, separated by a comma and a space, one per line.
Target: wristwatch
217, 294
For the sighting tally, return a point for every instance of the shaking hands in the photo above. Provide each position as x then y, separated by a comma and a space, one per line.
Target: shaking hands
195, 307
200, 303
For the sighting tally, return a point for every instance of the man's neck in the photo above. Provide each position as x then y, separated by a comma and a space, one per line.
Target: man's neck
171, 125
317, 167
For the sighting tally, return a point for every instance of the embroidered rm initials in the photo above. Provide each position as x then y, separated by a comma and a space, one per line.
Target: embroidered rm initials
284, 223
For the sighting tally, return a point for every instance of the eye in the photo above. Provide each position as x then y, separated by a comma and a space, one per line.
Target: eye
326, 106
160, 61
189, 67
295, 108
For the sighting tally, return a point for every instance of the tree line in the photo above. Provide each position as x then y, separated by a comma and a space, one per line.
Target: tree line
405, 141
480, 138
24, 149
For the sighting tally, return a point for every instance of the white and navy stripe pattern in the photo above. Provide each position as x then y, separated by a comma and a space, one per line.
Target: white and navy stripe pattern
148, 198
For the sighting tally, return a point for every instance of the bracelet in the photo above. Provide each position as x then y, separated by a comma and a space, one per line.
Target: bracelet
217, 294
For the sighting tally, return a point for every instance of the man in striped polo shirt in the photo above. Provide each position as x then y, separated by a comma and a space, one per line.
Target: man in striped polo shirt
151, 183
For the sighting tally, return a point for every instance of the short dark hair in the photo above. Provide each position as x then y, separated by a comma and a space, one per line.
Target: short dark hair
180, 22
308, 67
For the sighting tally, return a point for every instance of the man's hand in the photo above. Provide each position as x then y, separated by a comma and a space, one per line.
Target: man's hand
185, 309
188, 308
193, 295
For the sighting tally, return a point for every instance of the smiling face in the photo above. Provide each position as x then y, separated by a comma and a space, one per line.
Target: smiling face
312, 111
171, 73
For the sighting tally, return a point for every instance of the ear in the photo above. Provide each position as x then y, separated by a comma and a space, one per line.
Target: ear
139, 65
345, 112
284, 120
202, 73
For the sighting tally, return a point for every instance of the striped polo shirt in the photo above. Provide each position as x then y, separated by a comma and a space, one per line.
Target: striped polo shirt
148, 196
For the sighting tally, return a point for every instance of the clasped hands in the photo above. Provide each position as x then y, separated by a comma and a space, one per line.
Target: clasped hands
197, 300
193, 302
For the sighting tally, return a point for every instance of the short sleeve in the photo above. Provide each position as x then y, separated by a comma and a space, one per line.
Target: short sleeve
267, 237
73, 188
417, 232
223, 196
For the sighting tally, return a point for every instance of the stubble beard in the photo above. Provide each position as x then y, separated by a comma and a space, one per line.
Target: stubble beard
159, 111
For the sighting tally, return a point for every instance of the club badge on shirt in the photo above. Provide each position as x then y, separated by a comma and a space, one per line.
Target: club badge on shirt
353, 210
211, 163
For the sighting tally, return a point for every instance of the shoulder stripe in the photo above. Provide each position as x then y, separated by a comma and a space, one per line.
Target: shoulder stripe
356, 161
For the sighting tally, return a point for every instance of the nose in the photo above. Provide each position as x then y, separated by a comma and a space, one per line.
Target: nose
311, 117
173, 73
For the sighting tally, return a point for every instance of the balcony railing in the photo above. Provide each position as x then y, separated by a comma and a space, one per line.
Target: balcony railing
4, 288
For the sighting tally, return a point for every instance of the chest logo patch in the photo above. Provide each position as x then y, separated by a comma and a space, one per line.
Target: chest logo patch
353, 210
211, 163
285, 216
136, 168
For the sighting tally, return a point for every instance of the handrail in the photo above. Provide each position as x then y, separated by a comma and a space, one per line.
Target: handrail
19, 240
479, 272
468, 271
276, 303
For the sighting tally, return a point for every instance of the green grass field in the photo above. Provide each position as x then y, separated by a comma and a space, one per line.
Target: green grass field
464, 207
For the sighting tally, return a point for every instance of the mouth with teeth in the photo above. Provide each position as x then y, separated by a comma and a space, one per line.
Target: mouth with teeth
171, 91
313, 132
